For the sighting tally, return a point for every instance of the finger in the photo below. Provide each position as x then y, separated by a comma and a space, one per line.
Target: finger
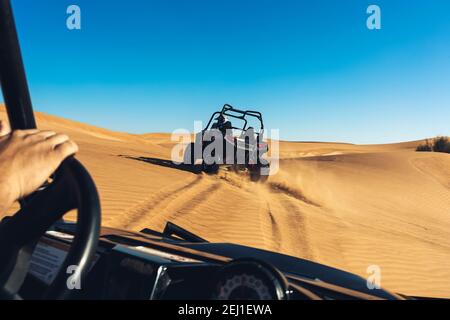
5, 128
66, 149
56, 140
41, 135
23, 133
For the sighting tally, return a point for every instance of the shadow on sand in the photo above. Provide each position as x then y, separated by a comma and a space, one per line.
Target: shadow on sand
197, 169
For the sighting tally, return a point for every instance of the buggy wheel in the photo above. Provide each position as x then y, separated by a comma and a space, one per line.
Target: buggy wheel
210, 168
258, 174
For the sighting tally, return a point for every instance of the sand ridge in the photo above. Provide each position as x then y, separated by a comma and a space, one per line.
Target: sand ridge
347, 206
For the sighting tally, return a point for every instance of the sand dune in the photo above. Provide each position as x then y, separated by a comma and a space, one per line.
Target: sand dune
347, 206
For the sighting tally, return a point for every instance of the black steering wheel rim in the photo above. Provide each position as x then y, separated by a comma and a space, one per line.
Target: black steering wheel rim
73, 188
84, 245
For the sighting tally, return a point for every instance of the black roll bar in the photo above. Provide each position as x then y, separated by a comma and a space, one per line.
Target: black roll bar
227, 109
12, 73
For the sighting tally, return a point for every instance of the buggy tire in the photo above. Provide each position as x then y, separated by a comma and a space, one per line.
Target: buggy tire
255, 173
210, 168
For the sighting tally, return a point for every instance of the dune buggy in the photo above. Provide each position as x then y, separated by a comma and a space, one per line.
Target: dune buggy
233, 138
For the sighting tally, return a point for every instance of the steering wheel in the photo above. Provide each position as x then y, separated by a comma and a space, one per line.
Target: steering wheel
72, 188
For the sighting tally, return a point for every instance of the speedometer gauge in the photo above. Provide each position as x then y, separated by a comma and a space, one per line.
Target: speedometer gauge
244, 285
249, 280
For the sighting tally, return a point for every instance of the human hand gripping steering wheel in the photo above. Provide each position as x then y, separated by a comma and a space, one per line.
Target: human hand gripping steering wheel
72, 188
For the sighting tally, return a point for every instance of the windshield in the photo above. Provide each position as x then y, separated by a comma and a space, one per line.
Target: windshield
349, 94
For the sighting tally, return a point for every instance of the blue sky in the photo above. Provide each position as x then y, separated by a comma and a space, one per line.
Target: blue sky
312, 67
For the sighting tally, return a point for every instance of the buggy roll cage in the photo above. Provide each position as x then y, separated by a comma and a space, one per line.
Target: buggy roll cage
232, 112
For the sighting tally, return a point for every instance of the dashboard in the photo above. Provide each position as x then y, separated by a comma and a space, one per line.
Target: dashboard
121, 272
138, 266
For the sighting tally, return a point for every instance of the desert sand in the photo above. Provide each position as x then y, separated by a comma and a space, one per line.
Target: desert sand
343, 205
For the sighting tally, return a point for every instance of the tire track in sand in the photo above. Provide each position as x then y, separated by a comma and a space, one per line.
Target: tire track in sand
184, 207
140, 212
269, 226
288, 225
283, 225
179, 202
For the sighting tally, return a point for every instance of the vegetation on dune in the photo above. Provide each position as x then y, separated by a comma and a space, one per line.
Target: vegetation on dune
438, 144
425, 147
